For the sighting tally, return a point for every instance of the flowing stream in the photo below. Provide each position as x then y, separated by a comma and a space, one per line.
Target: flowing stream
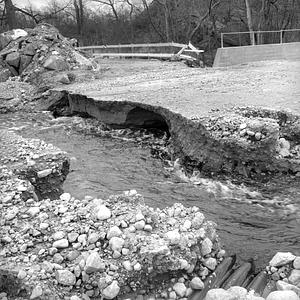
254, 223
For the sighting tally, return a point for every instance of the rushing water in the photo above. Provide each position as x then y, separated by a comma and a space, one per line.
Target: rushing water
249, 224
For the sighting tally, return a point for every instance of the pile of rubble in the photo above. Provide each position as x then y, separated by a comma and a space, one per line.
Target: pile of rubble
91, 247
30, 53
84, 248
260, 141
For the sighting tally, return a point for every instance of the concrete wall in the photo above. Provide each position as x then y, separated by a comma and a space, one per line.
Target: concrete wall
230, 56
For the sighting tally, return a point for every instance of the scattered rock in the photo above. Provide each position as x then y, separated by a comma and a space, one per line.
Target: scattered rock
206, 246
281, 258
60, 244
197, 284
13, 59
116, 243
180, 289
173, 237
111, 291
114, 231
218, 294
294, 278
65, 277
103, 213
56, 63
282, 295
94, 263
296, 263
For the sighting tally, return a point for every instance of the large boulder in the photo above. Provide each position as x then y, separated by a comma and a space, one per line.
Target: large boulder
25, 60
56, 63
13, 59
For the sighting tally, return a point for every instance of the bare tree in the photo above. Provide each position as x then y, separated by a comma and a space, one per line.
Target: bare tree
201, 18
10, 12
166, 9
249, 20
112, 5
79, 13
150, 19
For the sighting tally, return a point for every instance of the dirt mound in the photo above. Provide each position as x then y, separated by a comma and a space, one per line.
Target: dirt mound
33, 53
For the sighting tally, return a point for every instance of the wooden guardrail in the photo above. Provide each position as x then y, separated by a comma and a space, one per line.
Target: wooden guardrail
146, 51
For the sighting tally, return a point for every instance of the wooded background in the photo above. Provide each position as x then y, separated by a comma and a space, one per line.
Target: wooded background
98, 22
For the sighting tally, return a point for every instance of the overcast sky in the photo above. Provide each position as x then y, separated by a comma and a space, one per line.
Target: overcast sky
35, 3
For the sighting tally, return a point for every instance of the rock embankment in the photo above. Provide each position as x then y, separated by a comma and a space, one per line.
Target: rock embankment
30, 167
104, 248
40, 55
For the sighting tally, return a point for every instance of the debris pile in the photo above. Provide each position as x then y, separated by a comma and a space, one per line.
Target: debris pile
94, 247
270, 138
33, 52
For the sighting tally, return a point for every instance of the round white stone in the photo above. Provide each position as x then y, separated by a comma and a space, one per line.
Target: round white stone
116, 243
127, 265
58, 235
238, 291
218, 294
65, 197
173, 236
296, 263
282, 295
206, 246
103, 213
94, 263
197, 283
180, 289
294, 277
281, 258
137, 267
65, 277
111, 291
63, 243
33, 211
114, 231
140, 225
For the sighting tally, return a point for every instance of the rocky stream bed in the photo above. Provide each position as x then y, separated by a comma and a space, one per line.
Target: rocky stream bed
69, 248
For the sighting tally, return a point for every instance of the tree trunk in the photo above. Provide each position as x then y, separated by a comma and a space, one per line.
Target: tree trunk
79, 16
10, 14
77, 13
167, 23
249, 20
160, 34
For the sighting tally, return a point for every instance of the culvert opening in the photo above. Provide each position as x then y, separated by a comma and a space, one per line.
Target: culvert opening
143, 118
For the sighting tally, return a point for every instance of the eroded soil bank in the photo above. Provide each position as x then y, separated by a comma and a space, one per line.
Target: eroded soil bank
244, 142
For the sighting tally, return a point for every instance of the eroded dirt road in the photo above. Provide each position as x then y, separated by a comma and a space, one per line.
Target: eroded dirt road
195, 92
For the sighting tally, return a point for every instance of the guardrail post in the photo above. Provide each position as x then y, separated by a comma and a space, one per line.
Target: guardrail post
222, 44
281, 36
252, 38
